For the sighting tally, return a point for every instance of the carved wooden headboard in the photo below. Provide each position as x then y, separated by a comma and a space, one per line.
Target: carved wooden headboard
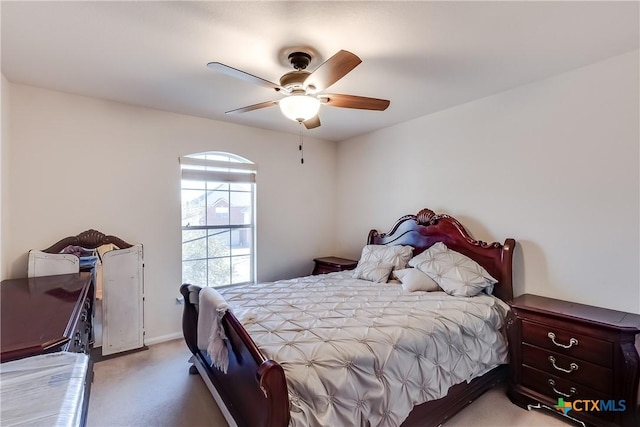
426, 228
89, 239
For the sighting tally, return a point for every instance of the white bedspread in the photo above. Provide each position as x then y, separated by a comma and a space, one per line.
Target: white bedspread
362, 353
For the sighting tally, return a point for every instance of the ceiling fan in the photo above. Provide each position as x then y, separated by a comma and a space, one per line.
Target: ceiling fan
302, 88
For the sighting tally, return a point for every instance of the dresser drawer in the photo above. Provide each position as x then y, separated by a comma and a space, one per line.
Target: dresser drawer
585, 373
568, 343
80, 339
599, 341
555, 387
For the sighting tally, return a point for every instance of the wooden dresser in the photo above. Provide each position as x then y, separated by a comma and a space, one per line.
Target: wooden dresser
331, 264
46, 314
570, 355
42, 315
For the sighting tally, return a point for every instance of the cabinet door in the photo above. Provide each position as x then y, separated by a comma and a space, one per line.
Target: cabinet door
122, 300
46, 264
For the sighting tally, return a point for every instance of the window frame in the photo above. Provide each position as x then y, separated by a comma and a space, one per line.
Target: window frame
229, 170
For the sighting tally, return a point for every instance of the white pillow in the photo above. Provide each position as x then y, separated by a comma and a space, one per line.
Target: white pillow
374, 271
397, 255
456, 274
415, 280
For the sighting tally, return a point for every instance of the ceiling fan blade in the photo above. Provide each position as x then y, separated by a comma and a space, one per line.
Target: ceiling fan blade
252, 107
332, 70
313, 122
352, 101
234, 72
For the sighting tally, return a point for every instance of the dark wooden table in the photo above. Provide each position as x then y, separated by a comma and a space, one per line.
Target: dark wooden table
331, 263
45, 314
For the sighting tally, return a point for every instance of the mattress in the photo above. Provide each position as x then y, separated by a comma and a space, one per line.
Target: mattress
44, 390
361, 353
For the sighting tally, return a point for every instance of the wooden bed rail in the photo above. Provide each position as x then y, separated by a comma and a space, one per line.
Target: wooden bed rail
259, 384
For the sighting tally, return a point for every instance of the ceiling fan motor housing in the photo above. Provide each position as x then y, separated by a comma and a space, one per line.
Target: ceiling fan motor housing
299, 60
294, 80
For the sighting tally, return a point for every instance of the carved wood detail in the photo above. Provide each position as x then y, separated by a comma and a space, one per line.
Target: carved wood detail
426, 228
425, 216
631, 384
89, 239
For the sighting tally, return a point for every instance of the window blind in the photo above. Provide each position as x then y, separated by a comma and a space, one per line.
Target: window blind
195, 169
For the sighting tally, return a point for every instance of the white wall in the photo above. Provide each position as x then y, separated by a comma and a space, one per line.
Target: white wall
553, 164
80, 163
4, 170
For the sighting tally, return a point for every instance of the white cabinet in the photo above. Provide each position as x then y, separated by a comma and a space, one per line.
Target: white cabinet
45, 264
122, 300
118, 284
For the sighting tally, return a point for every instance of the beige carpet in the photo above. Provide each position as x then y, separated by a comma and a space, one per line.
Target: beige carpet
153, 388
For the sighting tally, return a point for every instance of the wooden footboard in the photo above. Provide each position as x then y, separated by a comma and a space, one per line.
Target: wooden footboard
254, 389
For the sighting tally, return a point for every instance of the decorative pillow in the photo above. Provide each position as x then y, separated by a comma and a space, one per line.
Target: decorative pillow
374, 271
415, 280
456, 274
397, 255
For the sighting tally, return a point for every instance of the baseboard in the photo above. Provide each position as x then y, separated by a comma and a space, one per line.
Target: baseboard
163, 338
96, 353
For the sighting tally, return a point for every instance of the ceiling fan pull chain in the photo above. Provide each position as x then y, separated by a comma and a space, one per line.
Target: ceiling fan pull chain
301, 146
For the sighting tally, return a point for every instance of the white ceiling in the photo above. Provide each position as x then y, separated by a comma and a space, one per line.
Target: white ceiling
423, 56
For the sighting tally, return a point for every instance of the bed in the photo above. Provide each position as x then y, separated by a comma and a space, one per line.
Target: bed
255, 391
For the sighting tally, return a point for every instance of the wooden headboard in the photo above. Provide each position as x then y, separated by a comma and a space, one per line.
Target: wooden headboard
426, 228
89, 239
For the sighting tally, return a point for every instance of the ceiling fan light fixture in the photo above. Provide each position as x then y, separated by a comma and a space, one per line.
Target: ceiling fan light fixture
304, 90
299, 107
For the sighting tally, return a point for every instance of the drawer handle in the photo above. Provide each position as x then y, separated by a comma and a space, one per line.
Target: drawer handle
572, 390
572, 341
572, 366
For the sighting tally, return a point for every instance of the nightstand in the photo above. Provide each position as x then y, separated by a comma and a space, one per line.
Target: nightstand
564, 353
332, 263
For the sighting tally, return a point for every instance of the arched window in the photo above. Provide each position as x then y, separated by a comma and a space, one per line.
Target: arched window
218, 219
